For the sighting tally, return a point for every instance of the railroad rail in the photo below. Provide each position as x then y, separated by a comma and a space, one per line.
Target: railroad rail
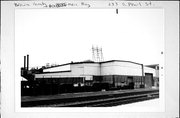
91, 99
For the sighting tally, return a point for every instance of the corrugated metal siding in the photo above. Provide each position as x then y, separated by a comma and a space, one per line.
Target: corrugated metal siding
121, 68
95, 69
58, 68
85, 69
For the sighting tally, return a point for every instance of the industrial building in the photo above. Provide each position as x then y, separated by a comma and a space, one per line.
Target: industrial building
88, 76
120, 71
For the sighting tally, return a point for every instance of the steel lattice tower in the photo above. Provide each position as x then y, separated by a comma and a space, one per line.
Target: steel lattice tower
93, 54
101, 53
97, 54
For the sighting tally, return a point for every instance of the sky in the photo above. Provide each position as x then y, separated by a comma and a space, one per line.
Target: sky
59, 36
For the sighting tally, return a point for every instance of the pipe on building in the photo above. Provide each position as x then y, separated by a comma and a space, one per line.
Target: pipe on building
142, 72
24, 62
27, 62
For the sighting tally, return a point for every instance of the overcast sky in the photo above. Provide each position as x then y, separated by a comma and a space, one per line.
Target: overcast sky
64, 35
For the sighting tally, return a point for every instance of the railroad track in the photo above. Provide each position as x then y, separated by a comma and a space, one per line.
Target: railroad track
106, 102
96, 100
125, 100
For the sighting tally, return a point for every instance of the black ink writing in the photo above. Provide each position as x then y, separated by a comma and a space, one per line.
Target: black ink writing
40, 4
21, 4
148, 3
85, 4
57, 5
132, 4
112, 4
71, 4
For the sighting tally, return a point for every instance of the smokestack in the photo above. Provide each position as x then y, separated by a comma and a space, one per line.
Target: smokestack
24, 62
142, 73
27, 62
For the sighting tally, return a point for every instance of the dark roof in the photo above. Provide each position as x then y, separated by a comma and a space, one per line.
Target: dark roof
88, 61
56, 72
120, 61
92, 62
57, 66
153, 66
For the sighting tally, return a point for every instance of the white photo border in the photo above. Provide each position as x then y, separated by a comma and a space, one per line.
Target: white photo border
10, 101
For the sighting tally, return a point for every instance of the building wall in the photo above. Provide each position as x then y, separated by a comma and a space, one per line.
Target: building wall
76, 70
121, 68
150, 70
54, 75
86, 69
94, 69
58, 68
157, 73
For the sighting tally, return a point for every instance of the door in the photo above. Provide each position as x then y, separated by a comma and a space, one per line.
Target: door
148, 80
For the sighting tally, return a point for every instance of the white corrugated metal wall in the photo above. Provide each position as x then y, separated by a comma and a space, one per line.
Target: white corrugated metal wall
90, 69
121, 68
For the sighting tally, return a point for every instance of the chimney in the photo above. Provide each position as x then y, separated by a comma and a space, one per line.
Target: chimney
24, 62
27, 62
142, 73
